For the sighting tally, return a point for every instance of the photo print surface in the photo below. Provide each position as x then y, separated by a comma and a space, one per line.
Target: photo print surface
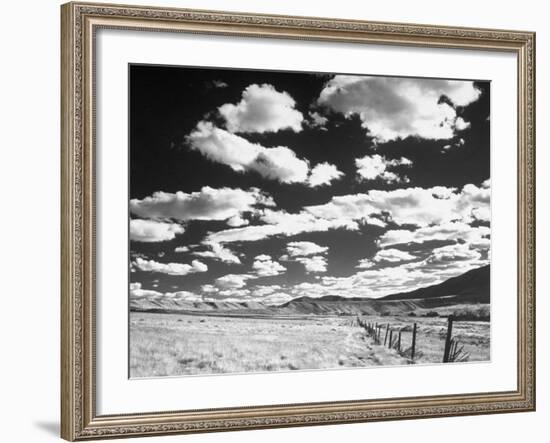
285, 221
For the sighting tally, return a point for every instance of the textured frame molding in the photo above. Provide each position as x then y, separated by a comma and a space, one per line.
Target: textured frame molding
78, 416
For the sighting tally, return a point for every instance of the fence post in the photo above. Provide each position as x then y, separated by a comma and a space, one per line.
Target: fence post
413, 342
452, 349
391, 335
399, 342
386, 336
448, 339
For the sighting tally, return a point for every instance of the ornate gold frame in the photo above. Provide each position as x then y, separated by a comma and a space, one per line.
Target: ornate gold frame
78, 417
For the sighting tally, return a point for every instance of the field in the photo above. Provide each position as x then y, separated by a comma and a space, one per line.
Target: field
201, 343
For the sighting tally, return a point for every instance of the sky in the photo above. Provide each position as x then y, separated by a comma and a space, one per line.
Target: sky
267, 185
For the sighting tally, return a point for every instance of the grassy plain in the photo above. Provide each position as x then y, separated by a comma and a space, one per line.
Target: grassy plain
184, 344
473, 336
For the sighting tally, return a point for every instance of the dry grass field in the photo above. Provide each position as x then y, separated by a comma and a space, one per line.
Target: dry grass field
182, 344
474, 336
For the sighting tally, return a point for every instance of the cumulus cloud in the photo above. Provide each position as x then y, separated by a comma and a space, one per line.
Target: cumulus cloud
416, 206
461, 125
218, 252
280, 223
368, 283
233, 295
478, 200
231, 289
183, 296
209, 288
262, 109
303, 222
393, 255
275, 299
269, 295
237, 221
445, 231
453, 253
309, 254
136, 291
449, 261
304, 248
277, 163
316, 120
412, 206
280, 163
150, 231
169, 268
206, 204
380, 282
134, 286
223, 147
392, 108
372, 167
264, 290
233, 281
365, 263
181, 249
265, 266
323, 174
386, 255
314, 264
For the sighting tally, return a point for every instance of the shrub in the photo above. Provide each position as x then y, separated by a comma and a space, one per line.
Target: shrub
473, 313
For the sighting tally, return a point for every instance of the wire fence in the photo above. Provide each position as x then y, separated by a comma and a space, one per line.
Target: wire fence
391, 337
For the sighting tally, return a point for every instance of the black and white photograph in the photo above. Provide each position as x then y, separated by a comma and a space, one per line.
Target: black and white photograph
287, 221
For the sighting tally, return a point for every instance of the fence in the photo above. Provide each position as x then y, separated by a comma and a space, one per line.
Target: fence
453, 351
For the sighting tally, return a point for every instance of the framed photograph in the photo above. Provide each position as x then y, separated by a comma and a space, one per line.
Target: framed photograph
283, 221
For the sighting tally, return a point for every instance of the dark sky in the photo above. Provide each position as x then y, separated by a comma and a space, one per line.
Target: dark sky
318, 119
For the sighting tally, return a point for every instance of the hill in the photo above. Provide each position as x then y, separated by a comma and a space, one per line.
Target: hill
472, 286
169, 304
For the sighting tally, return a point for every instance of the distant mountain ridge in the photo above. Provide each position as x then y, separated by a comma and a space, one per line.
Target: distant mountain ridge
472, 287
168, 304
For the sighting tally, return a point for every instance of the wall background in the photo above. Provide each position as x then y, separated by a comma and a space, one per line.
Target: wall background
29, 219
